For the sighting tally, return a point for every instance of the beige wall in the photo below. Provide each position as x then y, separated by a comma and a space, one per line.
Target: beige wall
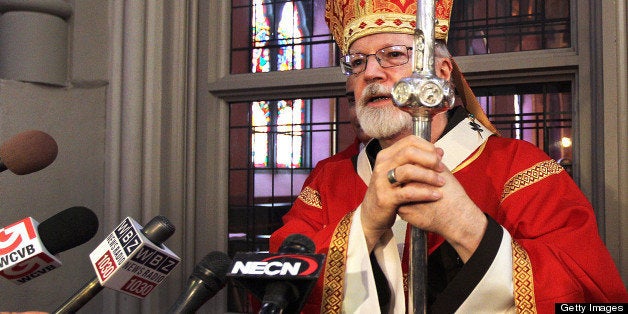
75, 117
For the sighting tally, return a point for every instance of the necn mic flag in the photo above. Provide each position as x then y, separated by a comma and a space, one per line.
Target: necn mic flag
288, 275
129, 262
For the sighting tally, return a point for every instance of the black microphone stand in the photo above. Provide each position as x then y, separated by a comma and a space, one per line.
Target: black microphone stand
157, 230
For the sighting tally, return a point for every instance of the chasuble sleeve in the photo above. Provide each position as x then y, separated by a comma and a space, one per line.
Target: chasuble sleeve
335, 191
558, 255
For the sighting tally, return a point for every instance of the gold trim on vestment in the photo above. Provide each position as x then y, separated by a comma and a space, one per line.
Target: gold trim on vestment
335, 265
311, 197
523, 280
530, 176
469, 160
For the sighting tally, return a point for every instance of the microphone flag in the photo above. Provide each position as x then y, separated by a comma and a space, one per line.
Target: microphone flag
129, 262
254, 271
23, 256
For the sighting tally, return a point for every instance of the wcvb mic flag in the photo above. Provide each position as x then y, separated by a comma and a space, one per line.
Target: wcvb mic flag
127, 261
22, 254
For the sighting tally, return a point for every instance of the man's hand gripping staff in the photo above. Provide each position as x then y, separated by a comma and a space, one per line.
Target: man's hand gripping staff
422, 95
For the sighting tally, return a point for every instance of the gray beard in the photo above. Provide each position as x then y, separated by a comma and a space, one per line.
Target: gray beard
382, 122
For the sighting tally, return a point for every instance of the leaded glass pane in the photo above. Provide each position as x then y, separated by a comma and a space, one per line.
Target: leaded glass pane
289, 133
260, 121
539, 113
280, 35
260, 29
291, 54
497, 26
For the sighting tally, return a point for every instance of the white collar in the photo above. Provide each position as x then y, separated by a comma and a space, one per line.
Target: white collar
459, 143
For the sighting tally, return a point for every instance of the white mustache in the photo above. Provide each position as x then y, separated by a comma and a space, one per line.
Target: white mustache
373, 90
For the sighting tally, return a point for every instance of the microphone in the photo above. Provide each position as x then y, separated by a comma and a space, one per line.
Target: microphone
279, 294
28, 249
28, 152
132, 260
207, 279
281, 281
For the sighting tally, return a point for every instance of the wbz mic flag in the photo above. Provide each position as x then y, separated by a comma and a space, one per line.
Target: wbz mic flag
22, 254
127, 261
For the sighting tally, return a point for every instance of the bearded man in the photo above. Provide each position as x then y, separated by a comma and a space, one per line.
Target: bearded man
508, 229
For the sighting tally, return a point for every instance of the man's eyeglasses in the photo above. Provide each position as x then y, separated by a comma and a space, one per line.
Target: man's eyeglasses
388, 57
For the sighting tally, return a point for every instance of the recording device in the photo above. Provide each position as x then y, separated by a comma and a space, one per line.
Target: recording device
282, 281
28, 152
28, 248
207, 279
132, 260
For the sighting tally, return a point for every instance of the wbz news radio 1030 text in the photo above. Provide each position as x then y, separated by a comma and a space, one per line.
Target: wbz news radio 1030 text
127, 261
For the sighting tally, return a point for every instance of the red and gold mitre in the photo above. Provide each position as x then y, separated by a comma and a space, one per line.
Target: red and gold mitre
349, 20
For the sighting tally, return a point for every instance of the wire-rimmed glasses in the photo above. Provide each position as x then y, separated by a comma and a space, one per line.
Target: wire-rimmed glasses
355, 63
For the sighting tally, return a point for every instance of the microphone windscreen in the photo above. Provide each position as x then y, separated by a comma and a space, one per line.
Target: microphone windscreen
67, 229
28, 152
214, 265
158, 229
297, 243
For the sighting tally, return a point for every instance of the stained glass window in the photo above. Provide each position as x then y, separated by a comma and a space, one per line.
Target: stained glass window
277, 140
261, 35
289, 133
280, 35
290, 54
260, 115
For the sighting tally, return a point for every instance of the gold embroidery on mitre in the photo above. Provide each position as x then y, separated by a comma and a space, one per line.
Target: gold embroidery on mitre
349, 20
335, 265
523, 280
379, 23
311, 197
530, 176
443, 16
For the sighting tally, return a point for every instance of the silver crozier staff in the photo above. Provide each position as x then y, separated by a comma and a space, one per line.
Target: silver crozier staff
423, 94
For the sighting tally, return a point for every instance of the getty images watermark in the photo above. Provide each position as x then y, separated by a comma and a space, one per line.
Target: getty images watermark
591, 308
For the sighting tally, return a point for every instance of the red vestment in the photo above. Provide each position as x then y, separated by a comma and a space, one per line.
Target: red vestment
346, 153
557, 253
